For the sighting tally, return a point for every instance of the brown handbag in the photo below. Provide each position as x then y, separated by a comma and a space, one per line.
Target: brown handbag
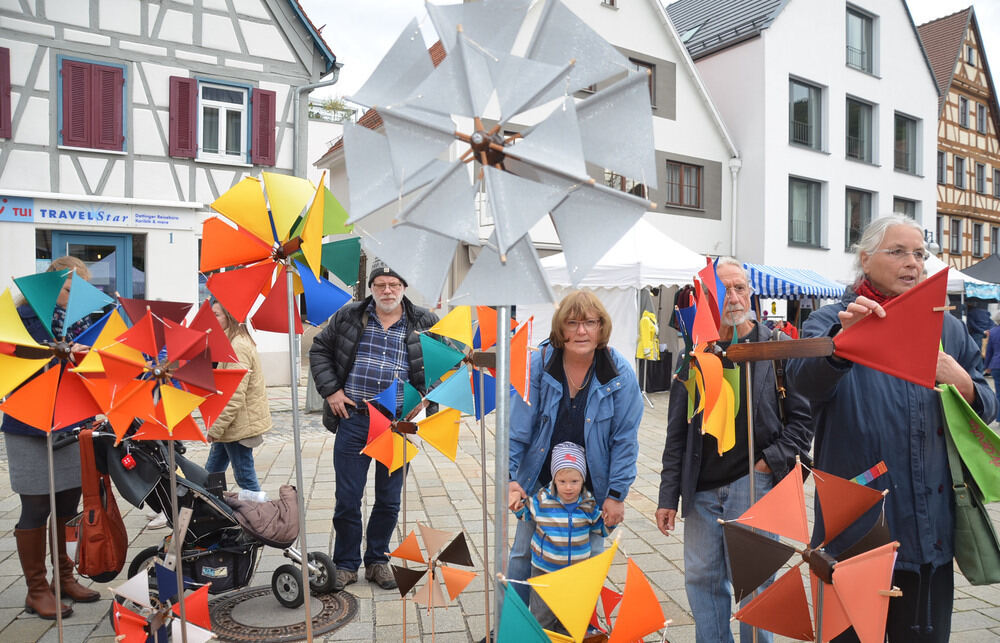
102, 540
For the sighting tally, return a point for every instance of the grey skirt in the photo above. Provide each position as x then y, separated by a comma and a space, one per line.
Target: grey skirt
27, 460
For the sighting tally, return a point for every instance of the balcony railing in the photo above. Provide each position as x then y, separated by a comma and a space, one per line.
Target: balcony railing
859, 58
802, 133
857, 148
904, 161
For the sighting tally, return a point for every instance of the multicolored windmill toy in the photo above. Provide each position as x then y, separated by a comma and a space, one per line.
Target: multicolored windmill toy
852, 589
138, 617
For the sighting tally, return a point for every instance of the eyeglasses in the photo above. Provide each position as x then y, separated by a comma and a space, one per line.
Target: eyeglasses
739, 289
899, 254
394, 287
574, 324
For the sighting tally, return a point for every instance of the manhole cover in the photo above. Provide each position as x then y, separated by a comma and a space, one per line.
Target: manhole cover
254, 614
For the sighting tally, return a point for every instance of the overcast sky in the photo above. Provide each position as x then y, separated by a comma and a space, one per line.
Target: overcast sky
361, 32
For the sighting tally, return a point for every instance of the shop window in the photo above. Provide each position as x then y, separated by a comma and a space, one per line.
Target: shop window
92, 99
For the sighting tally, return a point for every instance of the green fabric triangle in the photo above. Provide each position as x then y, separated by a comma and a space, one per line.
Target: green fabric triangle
334, 215
516, 621
411, 398
41, 292
732, 375
975, 441
342, 258
439, 358
689, 386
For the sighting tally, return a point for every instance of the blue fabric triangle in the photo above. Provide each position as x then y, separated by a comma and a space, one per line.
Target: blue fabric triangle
323, 298
89, 336
166, 583
687, 319
389, 398
720, 289
84, 298
455, 392
489, 392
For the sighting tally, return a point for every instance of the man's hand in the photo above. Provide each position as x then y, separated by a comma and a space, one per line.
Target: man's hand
515, 495
665, 520
951, 372
858, 310
613, 512
338, 403
210, 439
762, 466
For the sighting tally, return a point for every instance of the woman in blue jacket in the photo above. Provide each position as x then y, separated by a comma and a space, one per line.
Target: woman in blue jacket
582, 391
864, 416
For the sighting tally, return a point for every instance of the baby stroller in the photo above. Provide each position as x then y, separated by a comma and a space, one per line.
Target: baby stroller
220, 548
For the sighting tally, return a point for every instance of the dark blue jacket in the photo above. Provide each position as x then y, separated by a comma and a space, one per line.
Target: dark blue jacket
992, 360
863, 416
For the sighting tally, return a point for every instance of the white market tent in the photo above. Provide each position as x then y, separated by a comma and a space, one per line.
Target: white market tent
643, 257
961, 283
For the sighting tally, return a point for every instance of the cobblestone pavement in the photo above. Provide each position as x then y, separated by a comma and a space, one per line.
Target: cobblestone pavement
447, 496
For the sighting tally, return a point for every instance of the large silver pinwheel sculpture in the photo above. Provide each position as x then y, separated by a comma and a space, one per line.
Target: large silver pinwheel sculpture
498, 124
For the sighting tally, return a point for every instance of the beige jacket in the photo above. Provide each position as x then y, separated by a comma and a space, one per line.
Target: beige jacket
247, 413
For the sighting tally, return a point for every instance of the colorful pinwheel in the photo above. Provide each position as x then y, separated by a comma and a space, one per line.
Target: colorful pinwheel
138, 617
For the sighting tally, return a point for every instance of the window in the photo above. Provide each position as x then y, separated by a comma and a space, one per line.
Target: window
980, 178
977, 239
905, 207
906, 144
996, 182
963, 111
857, 216
5, 119
804, 212
981, 118
970, 55
942, 167
214, 121
859, 40
955, 237
804, 114
994, 240
92, 98
859, 130
683, 184
639, 65
940, 232
625, 184
959, 172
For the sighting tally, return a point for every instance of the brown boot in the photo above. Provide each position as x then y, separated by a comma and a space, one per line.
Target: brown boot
31, 550
69, 586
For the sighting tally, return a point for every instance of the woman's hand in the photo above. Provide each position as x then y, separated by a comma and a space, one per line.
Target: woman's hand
515, 495
858, 310
951, 372
613, 512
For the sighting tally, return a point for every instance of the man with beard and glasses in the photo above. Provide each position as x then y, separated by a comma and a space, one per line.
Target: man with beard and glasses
716, 486
364, 348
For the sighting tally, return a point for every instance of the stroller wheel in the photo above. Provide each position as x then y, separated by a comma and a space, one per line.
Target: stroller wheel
144, 560
286, 585
322, 581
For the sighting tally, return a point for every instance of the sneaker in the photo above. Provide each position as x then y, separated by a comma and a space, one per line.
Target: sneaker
381, 575
342, 578
157, 523
149, 512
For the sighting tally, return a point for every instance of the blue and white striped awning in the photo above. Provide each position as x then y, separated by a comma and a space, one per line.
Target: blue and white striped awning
791, 283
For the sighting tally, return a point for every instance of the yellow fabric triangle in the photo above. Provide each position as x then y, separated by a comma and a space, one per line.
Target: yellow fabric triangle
178, 404
720, 421
441, 431
457, 325
12, 330
15, 370
397, 451
244, 204
107, 341
288, 196
571, 593
312, 232
557, 638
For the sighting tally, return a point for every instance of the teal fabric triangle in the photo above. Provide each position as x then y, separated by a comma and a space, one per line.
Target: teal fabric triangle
84, 298
411, 398
516, 621
439, 358
41, 292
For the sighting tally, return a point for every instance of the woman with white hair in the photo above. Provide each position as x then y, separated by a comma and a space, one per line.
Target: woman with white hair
863, 416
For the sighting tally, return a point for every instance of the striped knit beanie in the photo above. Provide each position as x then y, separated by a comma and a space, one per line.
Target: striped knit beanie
569, 455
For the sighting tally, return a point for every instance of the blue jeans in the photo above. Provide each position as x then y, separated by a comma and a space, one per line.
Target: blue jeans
706, 565
222, 453
351, 469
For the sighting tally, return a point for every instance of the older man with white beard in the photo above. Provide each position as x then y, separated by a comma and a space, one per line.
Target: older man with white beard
365, 347
716, 486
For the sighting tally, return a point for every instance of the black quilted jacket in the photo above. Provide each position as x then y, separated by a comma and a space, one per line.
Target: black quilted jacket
334, 349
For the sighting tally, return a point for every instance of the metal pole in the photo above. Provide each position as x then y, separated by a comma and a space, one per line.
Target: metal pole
294, 374
178, 539
482, 472
748, 395
53, 536
501, 436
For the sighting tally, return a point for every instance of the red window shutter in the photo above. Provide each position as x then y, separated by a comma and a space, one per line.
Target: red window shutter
107, 107
76, 128
262, 141
183, 117
5, 124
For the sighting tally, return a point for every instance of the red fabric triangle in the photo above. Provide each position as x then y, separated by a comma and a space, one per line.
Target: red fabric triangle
781, 608
175, 311
141, 336
180, 339
227, 380
219, 347
709, 279
835, 619
273, 313
73, 401
782, 510
905, 342
128, 624
841, 502
223, 245
119, 370
705, 329
640, 613
197, 373
196, 608
609, 601
858, 582
35, 401
377, 423
237, 290
186, 429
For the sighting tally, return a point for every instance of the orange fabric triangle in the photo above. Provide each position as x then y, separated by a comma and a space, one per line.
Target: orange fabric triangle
858, 581
120, 370
73, 401
782, 510
781, 608
156, 429
237, 290
244, 203
35, 402
640, 612
377, 423
835, 619
841, 502
141, 336
430, 594
219, 347
704, 329
181, 339
227, 380
196, 608
434, 539
380, 449
905, 342
441, 431
128, 402
455, 580
108, 343
519, 360
273, 313
487, 326
409, 549
223, 245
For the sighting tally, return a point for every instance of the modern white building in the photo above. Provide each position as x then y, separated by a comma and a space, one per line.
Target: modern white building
833, 106
121, 121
